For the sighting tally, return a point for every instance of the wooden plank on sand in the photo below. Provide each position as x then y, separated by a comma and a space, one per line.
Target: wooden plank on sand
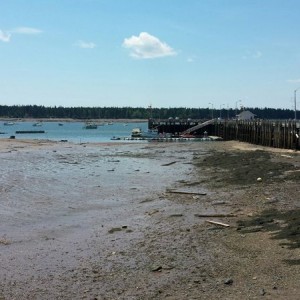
218, 223
185, 192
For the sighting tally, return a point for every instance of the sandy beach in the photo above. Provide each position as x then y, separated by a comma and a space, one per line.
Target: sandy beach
215, 220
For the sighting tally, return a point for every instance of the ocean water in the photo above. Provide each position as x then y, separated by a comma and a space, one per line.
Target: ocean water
70, 131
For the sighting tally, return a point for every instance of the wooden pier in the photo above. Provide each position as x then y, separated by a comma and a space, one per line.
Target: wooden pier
277, 134
177, 126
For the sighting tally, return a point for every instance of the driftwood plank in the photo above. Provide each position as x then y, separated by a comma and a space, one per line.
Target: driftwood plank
187, 193
218, 223
169, 164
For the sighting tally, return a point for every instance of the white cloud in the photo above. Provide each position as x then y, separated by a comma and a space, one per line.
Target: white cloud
147, 46
191, 59
293, 80
85, 45
4, 36
252, 55
26, 30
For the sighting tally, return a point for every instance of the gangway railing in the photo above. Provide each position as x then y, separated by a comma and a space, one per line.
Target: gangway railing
194, 128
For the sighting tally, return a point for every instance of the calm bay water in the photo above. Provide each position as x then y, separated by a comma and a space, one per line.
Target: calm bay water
70, 131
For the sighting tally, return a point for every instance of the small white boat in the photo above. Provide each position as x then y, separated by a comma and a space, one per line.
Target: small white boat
38, 124
136, 132
139, 133
8, 123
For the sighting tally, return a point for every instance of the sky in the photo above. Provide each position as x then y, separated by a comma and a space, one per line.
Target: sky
163, 53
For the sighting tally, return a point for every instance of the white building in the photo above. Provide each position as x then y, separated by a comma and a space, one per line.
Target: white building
246, 115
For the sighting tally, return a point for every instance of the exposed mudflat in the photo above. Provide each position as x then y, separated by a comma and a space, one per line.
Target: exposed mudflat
129, 221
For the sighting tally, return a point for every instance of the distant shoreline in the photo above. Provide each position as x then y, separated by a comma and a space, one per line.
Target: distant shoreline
2, 119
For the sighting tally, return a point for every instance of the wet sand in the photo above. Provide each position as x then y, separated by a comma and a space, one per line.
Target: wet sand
129, 221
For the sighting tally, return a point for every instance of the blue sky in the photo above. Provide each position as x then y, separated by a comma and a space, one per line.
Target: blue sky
164, 53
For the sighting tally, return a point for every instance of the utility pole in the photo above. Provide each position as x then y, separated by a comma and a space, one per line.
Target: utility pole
212, 110
221, 110
150, 111
236, 103
295, 102
227, 112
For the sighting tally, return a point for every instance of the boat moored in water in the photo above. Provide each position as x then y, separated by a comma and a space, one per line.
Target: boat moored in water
90, 126
136, 132
38, 124
139, 133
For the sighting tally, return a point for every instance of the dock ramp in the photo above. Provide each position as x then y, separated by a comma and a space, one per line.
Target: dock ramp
194, 128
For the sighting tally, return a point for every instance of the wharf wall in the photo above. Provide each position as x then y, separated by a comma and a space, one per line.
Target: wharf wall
277, 134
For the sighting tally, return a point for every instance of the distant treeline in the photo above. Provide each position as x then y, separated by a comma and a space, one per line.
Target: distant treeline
35, 111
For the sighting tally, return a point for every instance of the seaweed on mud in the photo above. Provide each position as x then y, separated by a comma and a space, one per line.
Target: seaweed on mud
292, 262
243, 167
283, 225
